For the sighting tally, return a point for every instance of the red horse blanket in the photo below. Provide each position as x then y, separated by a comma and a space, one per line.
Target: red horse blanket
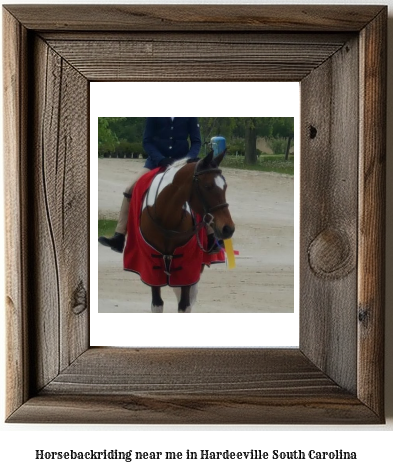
183, 268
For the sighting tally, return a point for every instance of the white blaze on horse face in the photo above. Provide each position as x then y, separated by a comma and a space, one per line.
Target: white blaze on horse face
220, 181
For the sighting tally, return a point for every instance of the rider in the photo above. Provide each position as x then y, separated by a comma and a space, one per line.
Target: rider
165, 139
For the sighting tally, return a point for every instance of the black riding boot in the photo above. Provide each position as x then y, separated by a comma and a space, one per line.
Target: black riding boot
116, 242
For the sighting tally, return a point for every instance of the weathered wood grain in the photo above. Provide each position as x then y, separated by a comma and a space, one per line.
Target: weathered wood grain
328, 253
372, 189
201, 37
16, 257
59, 224
216, 60
239, 409
201, 386
188, 17
201, 371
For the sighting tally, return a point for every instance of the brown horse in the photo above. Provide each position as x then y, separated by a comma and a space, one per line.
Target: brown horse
180, 203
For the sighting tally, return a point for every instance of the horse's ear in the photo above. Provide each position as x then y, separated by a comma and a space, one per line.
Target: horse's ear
207, 160
209, 157
217, 160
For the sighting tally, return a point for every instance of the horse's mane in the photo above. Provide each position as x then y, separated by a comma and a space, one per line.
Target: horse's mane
179, 163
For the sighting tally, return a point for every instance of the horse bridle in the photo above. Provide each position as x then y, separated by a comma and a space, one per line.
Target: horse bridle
207, 210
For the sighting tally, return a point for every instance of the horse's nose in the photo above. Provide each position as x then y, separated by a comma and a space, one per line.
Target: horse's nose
227, 231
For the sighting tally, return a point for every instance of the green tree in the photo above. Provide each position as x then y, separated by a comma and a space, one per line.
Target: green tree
107, 139
116, 134
250, 126
239, 130
255, 127
284, 127
124, 135
129, 129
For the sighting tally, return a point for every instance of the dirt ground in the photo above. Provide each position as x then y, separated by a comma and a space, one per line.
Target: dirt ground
262, 207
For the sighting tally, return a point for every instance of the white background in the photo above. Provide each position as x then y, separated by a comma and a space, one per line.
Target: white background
372, 443
152, 330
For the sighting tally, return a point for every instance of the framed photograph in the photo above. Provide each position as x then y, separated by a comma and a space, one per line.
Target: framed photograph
52, 55
261, 197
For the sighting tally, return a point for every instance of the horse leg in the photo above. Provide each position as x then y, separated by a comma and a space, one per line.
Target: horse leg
193, 294
184, 303
157, 305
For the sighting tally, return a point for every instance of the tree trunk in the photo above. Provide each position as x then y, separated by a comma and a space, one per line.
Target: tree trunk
250, 145
288, 147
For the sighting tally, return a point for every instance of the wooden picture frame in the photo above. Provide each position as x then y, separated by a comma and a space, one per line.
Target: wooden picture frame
338, 54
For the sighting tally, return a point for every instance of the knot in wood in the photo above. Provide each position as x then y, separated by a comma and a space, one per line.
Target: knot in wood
80, 299
363, 316
331, 254
313, 132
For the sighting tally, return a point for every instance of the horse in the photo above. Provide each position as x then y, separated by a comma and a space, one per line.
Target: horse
170, 220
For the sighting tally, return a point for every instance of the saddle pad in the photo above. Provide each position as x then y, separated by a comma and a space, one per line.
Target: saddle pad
183, 268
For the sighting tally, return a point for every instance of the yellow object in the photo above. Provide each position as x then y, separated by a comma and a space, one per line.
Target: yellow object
230, 253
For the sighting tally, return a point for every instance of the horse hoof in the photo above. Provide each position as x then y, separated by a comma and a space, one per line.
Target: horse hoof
157, 309
188, 310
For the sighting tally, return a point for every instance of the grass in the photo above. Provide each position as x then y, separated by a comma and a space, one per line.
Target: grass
275, 163
106, 227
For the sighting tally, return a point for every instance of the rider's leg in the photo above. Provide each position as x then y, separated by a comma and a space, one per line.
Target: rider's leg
121, 227
117, 242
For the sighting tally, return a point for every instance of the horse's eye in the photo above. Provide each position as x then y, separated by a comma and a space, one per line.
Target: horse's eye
208, 187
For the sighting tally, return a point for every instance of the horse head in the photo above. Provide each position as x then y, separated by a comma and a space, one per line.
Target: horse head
209, 198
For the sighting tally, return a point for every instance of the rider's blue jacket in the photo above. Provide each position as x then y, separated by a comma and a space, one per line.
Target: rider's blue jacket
167, 138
